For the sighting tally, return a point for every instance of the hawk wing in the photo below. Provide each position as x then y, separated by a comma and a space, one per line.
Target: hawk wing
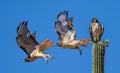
25, 39
90, 30
63, 25
70, 35
101, 29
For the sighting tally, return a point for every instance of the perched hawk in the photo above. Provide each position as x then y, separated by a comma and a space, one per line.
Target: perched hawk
66, 33
28, 43
96, 30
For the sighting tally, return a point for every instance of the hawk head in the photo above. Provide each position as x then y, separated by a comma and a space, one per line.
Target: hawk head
94, 20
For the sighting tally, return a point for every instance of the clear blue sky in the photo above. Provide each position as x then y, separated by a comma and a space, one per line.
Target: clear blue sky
41, 15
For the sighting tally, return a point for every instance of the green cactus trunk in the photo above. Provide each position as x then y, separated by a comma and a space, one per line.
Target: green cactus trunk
98, 54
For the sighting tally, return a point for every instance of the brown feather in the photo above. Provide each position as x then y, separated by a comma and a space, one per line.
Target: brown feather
45, 44
84, 42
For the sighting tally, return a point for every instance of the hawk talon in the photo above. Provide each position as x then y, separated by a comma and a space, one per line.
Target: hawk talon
46, 61
80, 52
51, 57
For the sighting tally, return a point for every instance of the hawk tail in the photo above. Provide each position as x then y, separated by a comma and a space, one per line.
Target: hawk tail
45, 44
84, 42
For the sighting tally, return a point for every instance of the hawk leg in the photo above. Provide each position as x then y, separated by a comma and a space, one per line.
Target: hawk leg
80, 50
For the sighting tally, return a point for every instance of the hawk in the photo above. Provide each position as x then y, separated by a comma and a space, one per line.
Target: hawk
28, 43
96, 30
66, 33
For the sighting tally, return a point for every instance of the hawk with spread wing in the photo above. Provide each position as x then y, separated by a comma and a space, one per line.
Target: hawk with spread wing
28, 43
96, 30
66, 33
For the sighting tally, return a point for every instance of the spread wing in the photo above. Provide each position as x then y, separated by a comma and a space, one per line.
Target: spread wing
63, 25
45, 45
25, 39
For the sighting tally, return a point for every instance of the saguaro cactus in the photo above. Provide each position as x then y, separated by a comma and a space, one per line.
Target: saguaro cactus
98, 54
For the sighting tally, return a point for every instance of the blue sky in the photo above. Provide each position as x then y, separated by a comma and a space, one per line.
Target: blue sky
41, 15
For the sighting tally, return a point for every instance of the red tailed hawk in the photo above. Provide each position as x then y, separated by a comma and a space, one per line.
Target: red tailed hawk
96, 30
66, 33
28, 43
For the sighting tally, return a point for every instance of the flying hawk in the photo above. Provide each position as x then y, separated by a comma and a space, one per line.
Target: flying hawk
66, 33
28, 43
96, 30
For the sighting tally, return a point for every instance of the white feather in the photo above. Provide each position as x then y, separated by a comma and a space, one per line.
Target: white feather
95, 27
